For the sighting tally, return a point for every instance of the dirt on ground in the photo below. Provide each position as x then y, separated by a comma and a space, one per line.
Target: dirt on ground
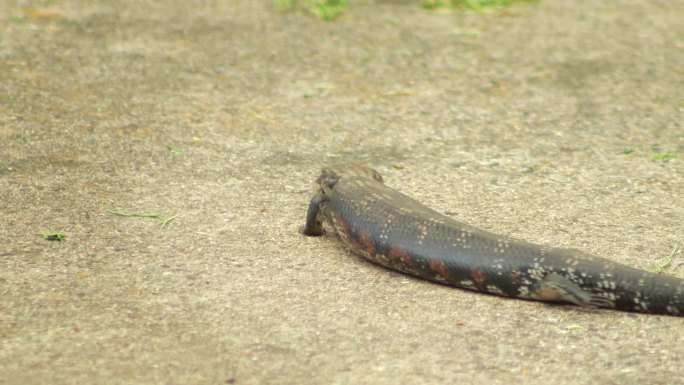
557, 122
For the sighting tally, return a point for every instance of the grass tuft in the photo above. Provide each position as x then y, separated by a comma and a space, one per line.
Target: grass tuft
324, 9
663, 156
668, 261
53, 236
163, 220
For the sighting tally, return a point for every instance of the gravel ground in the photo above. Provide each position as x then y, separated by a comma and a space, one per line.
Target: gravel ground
540, 121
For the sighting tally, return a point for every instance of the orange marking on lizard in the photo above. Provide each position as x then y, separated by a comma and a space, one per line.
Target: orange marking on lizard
342, 224
344, 230
367, 243
439, 267
478, 276
398, 256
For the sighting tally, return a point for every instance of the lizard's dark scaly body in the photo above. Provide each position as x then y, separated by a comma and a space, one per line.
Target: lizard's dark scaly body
396, 231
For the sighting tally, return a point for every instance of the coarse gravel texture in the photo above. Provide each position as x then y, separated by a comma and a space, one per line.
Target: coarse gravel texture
539, 121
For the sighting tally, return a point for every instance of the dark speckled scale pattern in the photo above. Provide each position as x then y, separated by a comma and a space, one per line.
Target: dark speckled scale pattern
395, 231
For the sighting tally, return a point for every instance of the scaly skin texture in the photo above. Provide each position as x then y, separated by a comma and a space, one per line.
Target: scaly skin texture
395, 231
